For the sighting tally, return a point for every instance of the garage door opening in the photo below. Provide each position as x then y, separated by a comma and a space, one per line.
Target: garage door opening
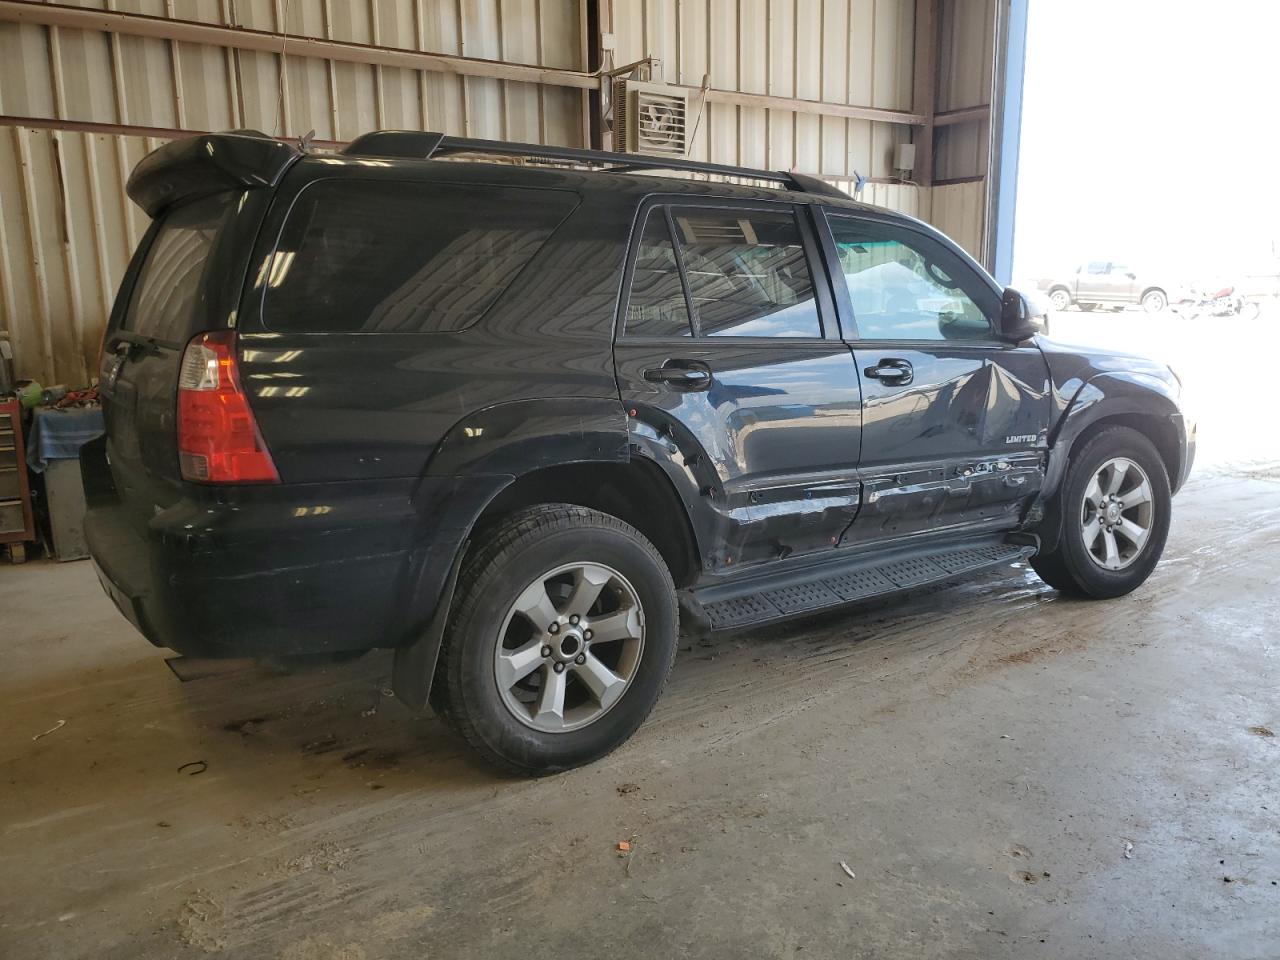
1140, 209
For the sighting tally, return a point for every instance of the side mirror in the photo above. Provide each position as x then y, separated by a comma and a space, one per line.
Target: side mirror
1021, 317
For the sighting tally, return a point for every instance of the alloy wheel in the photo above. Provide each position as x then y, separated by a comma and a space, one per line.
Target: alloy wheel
569, 647
1117, 514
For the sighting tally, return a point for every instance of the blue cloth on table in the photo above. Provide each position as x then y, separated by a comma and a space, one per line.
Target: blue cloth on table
59, 434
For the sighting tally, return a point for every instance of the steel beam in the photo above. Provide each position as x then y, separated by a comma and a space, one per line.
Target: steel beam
924, 87
1006, 136
967, 115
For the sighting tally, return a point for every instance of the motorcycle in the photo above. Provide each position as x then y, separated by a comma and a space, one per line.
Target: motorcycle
1223, 302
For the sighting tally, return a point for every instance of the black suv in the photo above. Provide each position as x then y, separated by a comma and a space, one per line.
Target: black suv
522, 413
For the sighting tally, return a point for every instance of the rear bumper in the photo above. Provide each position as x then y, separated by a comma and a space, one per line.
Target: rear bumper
285, 570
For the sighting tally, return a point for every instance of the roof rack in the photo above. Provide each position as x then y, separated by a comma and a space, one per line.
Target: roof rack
423, 145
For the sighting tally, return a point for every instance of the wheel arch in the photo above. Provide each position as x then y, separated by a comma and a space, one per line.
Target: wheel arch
1140, 402
1158, 429
1154, 288
515, 454
638, 492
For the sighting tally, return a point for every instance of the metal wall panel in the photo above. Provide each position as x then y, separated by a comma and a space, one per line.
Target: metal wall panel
967, 28
960, 211
67, 228
901, 197
66, 225
57, 72
857, 52
66, 231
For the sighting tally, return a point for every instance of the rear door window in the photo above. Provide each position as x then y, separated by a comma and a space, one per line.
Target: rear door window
384, 257
747, 273
171, 292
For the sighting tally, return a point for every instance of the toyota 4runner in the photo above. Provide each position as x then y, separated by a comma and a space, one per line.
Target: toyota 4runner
523, 413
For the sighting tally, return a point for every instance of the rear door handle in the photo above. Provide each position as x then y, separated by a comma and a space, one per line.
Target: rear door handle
688, 375
891, 370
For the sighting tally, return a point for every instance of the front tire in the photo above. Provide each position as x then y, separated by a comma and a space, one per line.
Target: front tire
562, 634
1115, 506
1060, 298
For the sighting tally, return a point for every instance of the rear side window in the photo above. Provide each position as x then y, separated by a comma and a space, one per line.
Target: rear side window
657, 307
747, 273
375, 257
170, 293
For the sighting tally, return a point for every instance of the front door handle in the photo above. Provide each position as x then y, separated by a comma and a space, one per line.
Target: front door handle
687, 375
891, 370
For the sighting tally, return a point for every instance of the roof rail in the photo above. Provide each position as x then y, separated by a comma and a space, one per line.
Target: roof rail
423, 145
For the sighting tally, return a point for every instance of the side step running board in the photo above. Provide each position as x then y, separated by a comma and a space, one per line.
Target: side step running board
829, 585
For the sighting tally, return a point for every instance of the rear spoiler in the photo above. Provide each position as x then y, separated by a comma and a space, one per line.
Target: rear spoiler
208, 164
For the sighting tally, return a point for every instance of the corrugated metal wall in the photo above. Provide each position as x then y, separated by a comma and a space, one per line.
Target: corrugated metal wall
857, 52
97, 76
959, 209
66, 231
964, 69
67, 228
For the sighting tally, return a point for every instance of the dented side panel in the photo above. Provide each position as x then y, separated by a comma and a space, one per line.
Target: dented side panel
961, 445
766, 457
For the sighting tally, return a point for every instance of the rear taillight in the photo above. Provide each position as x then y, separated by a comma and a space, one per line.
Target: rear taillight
218, 439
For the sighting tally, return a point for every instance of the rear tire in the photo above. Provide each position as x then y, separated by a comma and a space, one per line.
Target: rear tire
1104, 510
526, 673
1154, 301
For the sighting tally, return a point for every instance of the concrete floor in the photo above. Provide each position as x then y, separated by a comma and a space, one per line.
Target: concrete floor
1006, 772
981, 757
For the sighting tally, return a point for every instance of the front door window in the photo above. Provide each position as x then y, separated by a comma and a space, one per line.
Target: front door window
904, 288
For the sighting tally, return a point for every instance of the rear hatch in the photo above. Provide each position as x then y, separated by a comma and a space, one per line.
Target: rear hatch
186, 277
168, 305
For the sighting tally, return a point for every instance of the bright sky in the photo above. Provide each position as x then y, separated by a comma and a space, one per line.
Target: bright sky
1150, 133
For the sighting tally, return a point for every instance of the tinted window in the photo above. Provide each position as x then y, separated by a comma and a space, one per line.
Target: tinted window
1097, 267
906, 287
656, 307
747, 273
169, 295
403, 257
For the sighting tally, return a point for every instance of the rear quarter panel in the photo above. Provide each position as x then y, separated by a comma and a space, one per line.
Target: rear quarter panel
354, 406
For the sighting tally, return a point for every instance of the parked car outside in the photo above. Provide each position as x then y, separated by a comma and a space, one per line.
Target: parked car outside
1110, 283
524, 423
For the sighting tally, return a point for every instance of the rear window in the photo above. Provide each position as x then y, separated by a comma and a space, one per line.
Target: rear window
365, 257
170, 294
